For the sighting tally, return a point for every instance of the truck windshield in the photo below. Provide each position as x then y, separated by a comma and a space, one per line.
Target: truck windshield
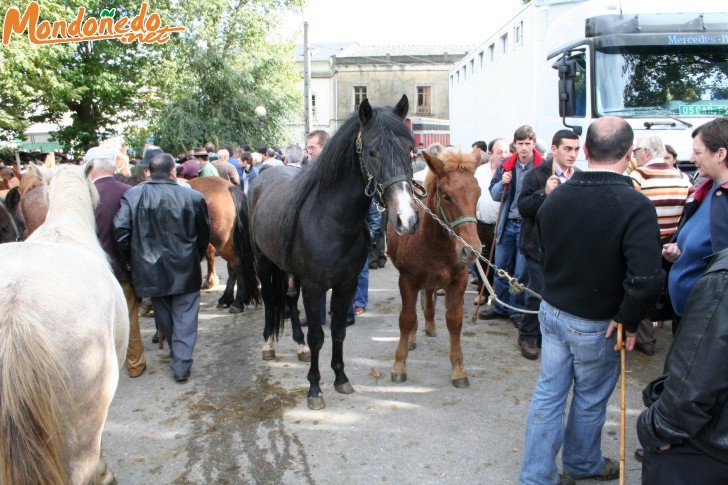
669, 80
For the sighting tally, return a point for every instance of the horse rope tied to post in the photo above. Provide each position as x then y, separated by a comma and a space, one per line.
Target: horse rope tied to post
59, 362
311, 223
516, 286
432, 258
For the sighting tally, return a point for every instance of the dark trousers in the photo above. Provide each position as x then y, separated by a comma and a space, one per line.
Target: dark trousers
176, 316
530, 328
485, 233
683, 464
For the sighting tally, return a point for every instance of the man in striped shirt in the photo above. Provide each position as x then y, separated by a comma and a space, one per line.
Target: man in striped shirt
667, 188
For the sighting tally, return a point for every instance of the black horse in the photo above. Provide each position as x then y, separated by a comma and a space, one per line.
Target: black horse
311, 223
11, 224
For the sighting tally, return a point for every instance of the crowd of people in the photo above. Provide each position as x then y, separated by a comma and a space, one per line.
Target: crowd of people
629, 239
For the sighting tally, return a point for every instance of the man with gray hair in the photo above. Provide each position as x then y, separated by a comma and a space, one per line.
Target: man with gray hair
294, 155
224, 168
110, 194
668, 189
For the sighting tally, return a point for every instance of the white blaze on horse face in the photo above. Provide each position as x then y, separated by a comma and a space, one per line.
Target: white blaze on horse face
403, 214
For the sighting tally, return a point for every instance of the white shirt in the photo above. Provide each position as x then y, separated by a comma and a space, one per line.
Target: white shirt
487, 208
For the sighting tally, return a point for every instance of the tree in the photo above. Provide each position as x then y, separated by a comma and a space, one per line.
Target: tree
107, 83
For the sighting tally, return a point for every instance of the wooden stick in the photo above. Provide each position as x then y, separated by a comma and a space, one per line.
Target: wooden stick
623, 415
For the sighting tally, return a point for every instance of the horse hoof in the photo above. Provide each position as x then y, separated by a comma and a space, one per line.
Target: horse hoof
222, 306
399, 377
269, 354
316, 403
431, 333
411, 345
304, 357
207, 285
345, 388
461, 383
234, 309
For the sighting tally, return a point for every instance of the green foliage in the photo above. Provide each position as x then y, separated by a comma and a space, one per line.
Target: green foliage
202, 85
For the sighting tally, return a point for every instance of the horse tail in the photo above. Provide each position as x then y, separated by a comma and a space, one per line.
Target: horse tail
244, 246
32, 388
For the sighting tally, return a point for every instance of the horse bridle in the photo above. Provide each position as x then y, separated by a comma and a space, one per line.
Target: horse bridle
454, 223
18, 236
375, 189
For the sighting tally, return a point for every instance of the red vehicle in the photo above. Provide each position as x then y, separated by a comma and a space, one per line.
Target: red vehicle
429, 130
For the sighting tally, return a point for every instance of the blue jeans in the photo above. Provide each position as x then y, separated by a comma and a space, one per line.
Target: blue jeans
574, 352
509, 258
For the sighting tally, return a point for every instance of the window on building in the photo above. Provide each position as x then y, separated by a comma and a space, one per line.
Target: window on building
424, 100
518, 33
472, 66
504, 43
491, 53
481, 60
360, 94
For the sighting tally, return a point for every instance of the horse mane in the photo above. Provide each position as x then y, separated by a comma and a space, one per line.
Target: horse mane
336, 161
452, 161
28, 181
71, 202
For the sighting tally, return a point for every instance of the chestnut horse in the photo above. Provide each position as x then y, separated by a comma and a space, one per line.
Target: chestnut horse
431, 258
224, 201
59, 363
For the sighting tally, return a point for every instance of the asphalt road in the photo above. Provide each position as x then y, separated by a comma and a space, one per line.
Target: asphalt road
243, 420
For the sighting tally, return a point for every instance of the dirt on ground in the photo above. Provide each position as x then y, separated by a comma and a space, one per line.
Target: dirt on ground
242, 420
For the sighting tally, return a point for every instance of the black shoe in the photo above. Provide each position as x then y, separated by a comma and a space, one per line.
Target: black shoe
646, 348
639, 454
517, 319
529, 349
183, 378
349, 323
155, 338
382, 262
491, 314
565, 479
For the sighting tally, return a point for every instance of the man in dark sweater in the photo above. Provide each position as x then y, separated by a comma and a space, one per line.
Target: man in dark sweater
537, 185
601, 264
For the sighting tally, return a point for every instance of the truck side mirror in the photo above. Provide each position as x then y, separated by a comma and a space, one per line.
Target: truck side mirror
567, 67
567, 73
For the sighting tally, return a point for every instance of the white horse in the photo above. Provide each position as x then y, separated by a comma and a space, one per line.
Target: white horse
64, 330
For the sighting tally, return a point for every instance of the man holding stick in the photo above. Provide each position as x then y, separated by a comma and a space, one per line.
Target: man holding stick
601, 265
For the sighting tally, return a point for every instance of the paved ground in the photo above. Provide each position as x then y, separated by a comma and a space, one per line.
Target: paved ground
242, 420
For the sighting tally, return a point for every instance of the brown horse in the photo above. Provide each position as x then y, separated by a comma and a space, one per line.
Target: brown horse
431, 258
223, 204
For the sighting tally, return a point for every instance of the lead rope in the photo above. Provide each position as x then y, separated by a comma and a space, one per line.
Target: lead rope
516, 287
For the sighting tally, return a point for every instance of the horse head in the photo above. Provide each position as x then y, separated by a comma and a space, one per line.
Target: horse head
384, 145
454, 194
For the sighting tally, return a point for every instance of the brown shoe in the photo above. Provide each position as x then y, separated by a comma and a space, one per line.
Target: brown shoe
529, 349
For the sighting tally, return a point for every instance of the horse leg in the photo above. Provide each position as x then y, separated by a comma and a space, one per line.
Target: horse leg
312, 304
430, 328
454, 320
407, 327
267, 292
103, 474
212, 278
303, 353
342, 298
227, 296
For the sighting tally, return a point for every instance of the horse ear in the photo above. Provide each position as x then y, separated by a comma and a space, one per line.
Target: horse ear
402, 107
38, 171
365, 112
88, 168
435, 164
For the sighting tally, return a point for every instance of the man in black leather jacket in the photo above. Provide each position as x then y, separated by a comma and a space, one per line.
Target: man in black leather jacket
162, 230
684, 430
